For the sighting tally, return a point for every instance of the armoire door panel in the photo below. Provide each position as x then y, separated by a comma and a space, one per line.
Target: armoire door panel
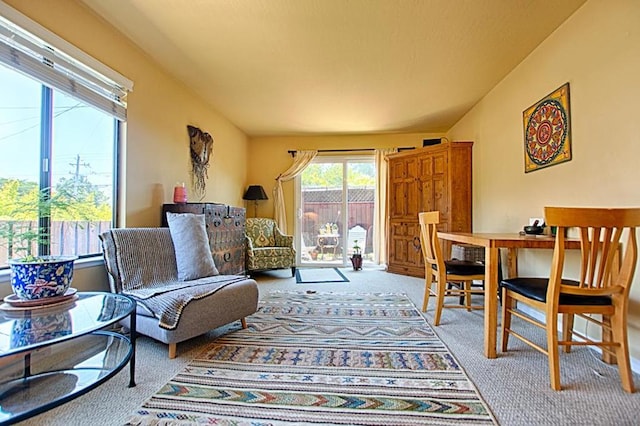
396, 200
398, 170
440, 195
399, 250
413, 199
426, 196
413, 170
414, 249
440, 164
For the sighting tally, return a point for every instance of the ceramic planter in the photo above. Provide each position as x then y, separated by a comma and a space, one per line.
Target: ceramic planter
45, 276
356, 261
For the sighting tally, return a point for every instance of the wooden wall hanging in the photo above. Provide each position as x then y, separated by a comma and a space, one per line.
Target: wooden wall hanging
201, 148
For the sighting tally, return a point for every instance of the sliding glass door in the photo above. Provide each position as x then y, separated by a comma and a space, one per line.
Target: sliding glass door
335, 205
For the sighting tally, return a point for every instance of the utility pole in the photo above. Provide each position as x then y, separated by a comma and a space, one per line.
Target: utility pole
76, 174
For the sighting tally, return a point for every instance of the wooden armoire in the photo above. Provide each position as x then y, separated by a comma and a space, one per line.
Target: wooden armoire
436, 177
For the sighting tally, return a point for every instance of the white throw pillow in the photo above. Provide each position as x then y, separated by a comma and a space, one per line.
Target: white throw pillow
193, 255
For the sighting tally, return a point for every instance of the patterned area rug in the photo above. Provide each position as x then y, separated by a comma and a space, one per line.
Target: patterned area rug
320, 275
322, 358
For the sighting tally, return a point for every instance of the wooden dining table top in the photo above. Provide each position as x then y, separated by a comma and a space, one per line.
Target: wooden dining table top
506, 240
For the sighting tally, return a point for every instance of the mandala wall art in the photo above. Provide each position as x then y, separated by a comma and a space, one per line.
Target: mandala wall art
547, 131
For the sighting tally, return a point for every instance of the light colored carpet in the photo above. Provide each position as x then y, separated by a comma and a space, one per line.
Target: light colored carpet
324, 357
515, 385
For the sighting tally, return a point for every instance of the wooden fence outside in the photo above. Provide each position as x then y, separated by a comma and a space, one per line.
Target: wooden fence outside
67, 238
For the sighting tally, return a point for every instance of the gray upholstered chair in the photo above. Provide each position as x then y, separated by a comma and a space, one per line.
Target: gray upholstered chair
141, 263
267, 247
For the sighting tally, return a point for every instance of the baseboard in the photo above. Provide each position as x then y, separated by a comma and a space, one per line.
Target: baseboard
635, 364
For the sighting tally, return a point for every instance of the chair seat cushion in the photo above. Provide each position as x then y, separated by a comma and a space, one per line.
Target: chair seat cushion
462, 267
536, 289
273, 252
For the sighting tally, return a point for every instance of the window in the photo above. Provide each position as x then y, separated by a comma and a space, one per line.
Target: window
59, 136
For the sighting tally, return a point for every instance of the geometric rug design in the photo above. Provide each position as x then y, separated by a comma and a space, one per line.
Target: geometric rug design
320, 275
322, 358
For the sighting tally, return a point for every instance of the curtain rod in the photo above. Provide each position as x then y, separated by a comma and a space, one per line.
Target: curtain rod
293, 151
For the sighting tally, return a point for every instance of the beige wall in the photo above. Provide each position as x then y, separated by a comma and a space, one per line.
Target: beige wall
156, 153
597, 50
268, 158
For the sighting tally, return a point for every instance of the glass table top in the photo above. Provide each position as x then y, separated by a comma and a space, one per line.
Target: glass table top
26, 330
50, 355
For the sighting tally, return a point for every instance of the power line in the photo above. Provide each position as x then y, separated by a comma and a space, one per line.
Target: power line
37, 125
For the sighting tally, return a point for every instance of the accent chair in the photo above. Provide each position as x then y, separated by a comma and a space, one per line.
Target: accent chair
267, 247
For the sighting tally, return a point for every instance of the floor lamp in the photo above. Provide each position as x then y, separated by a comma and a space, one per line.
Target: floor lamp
255, 193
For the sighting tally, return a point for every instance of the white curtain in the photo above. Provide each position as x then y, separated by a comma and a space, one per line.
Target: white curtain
300, 162
379, 210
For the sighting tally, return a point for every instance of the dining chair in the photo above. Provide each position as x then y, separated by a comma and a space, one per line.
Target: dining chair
458, 273
607, 263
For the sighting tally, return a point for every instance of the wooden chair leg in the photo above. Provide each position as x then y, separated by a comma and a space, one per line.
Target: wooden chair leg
243, 321
467, 295
427, 291
567, 330
619, 331
553, 351
507, 304
172, 350
607, 336
441, 288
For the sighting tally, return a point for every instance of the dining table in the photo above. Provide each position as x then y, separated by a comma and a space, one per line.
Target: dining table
493, 242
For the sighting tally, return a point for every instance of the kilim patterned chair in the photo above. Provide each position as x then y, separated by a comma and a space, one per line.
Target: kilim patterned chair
267, 247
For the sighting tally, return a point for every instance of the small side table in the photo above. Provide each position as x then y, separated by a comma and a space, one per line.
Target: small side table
328, 242
50, 355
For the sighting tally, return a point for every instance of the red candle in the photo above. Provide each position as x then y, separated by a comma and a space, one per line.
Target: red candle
180, 194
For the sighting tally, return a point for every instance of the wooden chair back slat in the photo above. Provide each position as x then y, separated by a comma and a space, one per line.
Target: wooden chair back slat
431, 249
601, 234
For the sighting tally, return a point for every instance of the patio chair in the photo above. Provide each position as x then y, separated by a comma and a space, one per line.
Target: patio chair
357, 233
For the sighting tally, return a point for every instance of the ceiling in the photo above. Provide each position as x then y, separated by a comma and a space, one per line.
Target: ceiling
296, 67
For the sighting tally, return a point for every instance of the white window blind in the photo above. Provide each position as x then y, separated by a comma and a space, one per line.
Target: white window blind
41, 57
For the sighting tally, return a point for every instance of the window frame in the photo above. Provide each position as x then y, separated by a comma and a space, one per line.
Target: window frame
32, 50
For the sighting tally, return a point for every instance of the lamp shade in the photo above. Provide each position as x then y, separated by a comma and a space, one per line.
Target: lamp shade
255, 192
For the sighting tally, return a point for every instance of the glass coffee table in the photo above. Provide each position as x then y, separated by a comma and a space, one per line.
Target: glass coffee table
50, 355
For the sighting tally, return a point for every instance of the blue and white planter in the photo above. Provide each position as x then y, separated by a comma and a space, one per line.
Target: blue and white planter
45, 276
